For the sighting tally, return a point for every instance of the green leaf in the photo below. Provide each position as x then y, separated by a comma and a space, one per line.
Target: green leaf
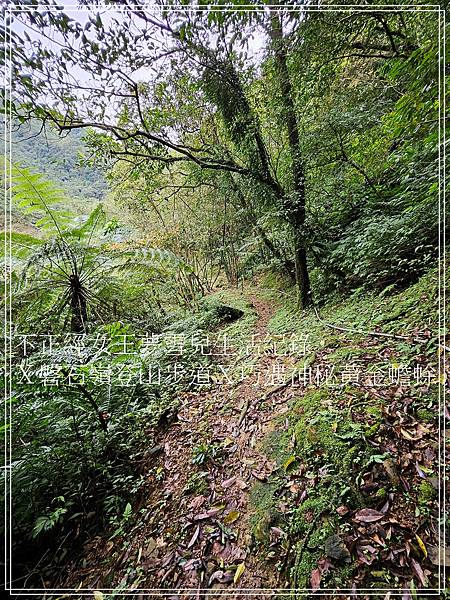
127, 512
239, 572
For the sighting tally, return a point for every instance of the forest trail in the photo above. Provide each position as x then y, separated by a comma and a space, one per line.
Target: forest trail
201, 538
216, 516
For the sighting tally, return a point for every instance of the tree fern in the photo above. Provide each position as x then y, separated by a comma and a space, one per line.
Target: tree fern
70, 274
21, 244
33, 194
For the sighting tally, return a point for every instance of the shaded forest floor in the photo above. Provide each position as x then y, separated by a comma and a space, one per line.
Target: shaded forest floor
199, 516
312, 485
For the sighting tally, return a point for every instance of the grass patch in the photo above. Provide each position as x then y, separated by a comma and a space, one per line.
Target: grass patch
413, 310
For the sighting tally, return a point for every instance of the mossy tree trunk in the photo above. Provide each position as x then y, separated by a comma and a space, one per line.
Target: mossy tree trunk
294, 202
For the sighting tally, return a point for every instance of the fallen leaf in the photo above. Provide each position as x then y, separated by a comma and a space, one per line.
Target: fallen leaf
221, 577
315, 579
406, 593
201, 516
324, 564
288, 462
419, 572
231, 517
194, 537
420, 471
424, 469
232, 554
391, 469
335, 548
151, 546
213, 512
303, 496
239, 571
422, 545
409, 436
197, 502
368, 515
276, 534
259, 476
191, 564
293, 487
228, 482
342, 510
376, 538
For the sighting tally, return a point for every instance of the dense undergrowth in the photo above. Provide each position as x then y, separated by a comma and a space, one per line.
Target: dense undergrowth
87, 410
332, 447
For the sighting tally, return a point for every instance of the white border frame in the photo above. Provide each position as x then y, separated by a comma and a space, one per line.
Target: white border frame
241, 592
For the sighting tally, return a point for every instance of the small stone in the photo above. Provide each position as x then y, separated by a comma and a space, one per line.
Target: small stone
435, 482
335, 548
391, 470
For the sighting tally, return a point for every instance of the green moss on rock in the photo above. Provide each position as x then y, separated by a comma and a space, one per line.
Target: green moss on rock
425, 415
425, 492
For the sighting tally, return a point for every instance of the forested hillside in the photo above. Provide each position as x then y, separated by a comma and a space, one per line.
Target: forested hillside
236, 384
63, 159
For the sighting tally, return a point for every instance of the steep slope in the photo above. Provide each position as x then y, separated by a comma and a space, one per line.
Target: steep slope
327, 479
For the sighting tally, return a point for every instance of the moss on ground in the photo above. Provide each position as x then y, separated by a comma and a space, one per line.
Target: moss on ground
264, 499
413, 309
425, 493
332, 450
425, 415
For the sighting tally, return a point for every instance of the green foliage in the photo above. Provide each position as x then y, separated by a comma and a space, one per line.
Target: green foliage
231, 164
22, 245
426, 493
204, 452
374, 202
197, 483
36, 195
73, 275
62, 159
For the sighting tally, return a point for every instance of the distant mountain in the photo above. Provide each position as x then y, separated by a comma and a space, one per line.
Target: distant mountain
61, 160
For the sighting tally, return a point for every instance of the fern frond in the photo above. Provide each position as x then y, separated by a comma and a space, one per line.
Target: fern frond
33, 194
21, 244
52, 256
164, 260
95, 220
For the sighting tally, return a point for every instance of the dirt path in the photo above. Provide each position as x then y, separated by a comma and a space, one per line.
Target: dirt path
195, 532
203, 539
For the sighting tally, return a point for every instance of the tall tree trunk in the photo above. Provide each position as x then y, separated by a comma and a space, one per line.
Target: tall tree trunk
288, 267
294, 203
302, 277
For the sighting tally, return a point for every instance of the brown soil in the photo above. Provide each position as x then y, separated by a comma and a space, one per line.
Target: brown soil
196, 540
